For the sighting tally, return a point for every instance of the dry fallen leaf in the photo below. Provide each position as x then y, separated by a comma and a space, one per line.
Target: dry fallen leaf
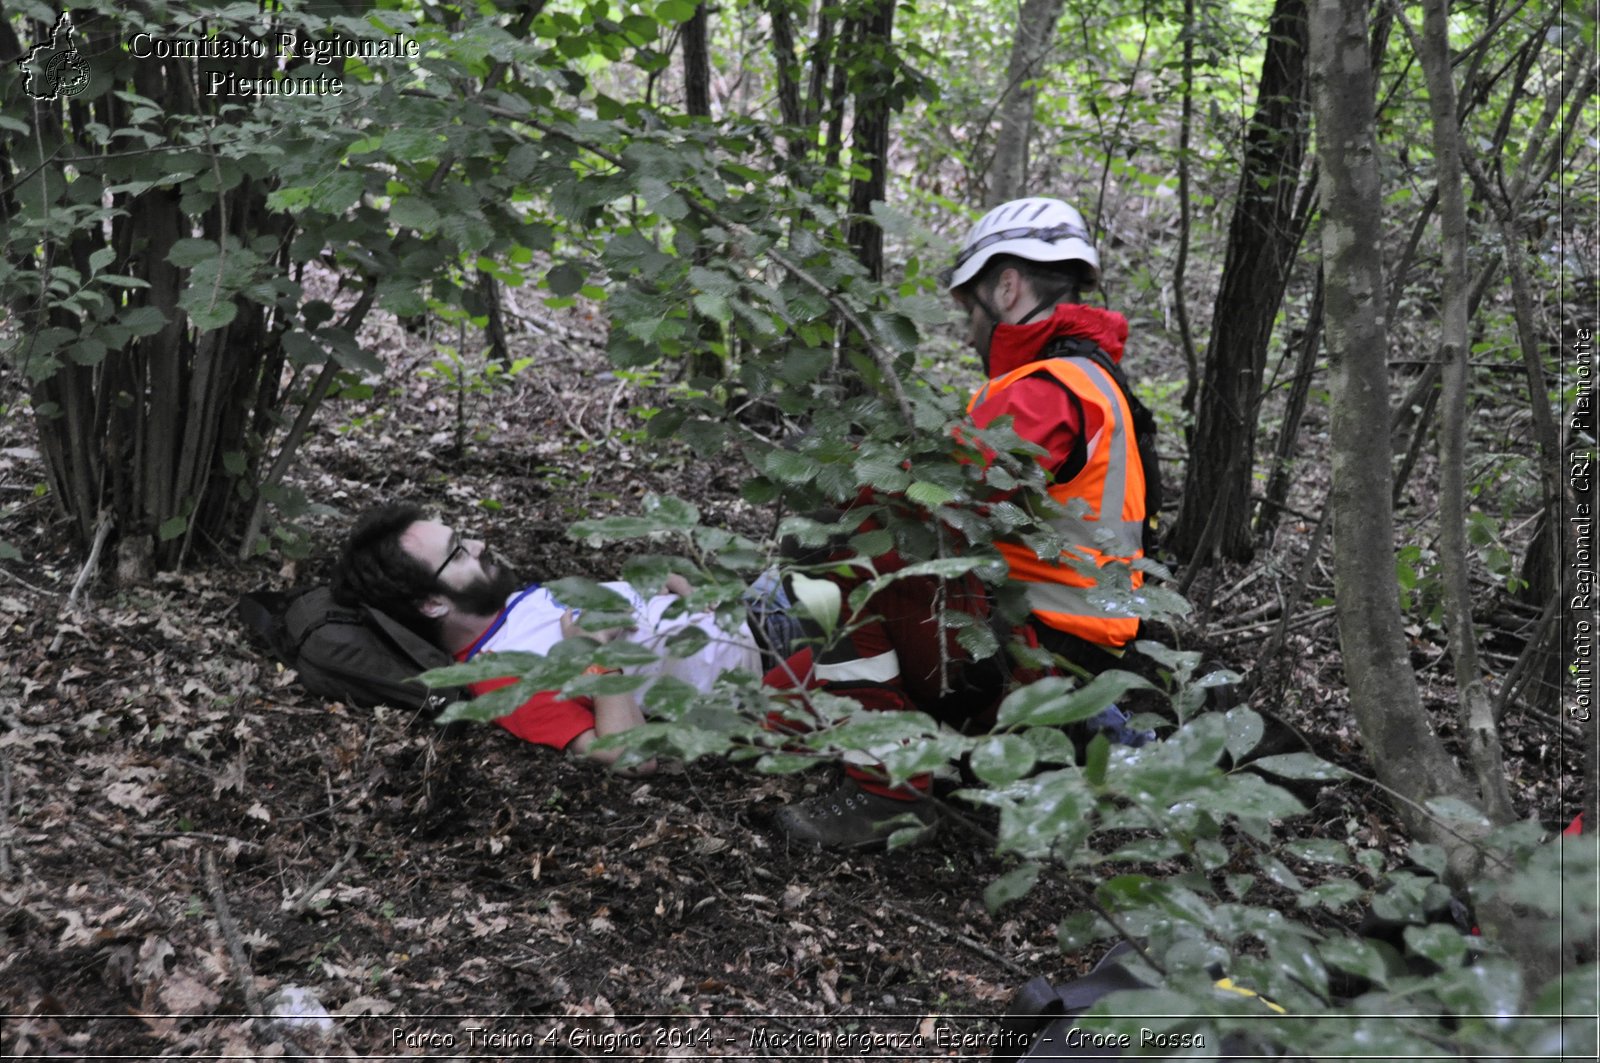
184, 994
133, 796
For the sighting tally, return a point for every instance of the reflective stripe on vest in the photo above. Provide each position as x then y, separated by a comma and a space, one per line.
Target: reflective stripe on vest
1108, 492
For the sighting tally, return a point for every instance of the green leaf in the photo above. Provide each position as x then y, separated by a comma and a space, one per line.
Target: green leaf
1492, 985
1277, 873
87, 351
1245, 729
713, 306
1456, 811
172, 528
1248, 796
1318, 851
565, 279
1001, 760
670, 512
882, 472
338, 193
788, 467
929, 494
192, 251
1354, 956
1011, 886
1439, 942
212, 315
785, 763
896, 331
1299, 766
413, 212
142, 321
593, 686
1097, 760
486, 667
820, 598
1053, 700
577, 592
303, 349
670, 697
1080, 929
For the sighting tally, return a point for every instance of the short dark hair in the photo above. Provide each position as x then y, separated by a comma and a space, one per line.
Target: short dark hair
375, 570
1064, 282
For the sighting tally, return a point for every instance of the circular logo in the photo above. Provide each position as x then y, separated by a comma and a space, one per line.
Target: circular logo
67, 74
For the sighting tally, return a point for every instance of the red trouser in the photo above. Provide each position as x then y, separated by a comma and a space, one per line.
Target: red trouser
889, 658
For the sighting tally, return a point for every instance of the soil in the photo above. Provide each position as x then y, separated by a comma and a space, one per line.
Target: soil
185, 835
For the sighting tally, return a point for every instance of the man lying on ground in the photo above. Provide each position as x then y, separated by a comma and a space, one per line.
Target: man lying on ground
459, 595
462, 597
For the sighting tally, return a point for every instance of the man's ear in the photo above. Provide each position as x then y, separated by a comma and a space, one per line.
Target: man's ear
1009, 289
434, 606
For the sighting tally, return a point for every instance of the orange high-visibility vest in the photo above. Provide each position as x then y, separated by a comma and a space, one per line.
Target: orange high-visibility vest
1111, 528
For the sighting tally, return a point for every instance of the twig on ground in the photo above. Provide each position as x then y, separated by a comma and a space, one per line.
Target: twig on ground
955, 935
1313, 617
230, 934
561, 407
1238, 588
611, 408
93, 564
5, 818
163, 835
300, 903
37, 590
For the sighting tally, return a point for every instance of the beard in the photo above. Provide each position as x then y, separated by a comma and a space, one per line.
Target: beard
486, 595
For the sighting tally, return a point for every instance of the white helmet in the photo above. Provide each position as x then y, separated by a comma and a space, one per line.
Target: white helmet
1035, 229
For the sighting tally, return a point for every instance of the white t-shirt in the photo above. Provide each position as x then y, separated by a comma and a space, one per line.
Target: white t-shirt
533, 625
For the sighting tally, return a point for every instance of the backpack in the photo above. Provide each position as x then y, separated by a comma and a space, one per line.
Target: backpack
354, 654
1145, 428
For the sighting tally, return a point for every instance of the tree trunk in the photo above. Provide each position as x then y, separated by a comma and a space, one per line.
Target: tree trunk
1036, 24
869, 139
697, 64
703, 360
1305, 370
1405, 753
1476, 710
1180, 301
494, 325
783, 61
1262, 241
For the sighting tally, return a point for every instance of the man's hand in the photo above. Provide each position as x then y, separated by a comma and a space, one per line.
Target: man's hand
676, 584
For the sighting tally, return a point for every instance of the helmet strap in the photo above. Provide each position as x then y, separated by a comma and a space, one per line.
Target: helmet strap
1049, 302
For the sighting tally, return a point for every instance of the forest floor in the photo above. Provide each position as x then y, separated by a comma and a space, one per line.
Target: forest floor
184, 833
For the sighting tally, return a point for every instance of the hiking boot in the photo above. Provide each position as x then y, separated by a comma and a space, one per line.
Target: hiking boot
849, 817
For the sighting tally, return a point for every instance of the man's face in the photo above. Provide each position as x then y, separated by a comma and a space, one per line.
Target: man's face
976, 335
980, 327
465, 571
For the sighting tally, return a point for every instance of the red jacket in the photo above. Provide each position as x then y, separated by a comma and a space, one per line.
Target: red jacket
1042, 410
1055, 402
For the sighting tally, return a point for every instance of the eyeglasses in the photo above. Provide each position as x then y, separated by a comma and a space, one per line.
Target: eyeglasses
1063, 231
451, 556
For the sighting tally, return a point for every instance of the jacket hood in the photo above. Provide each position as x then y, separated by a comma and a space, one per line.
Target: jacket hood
1014, 346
